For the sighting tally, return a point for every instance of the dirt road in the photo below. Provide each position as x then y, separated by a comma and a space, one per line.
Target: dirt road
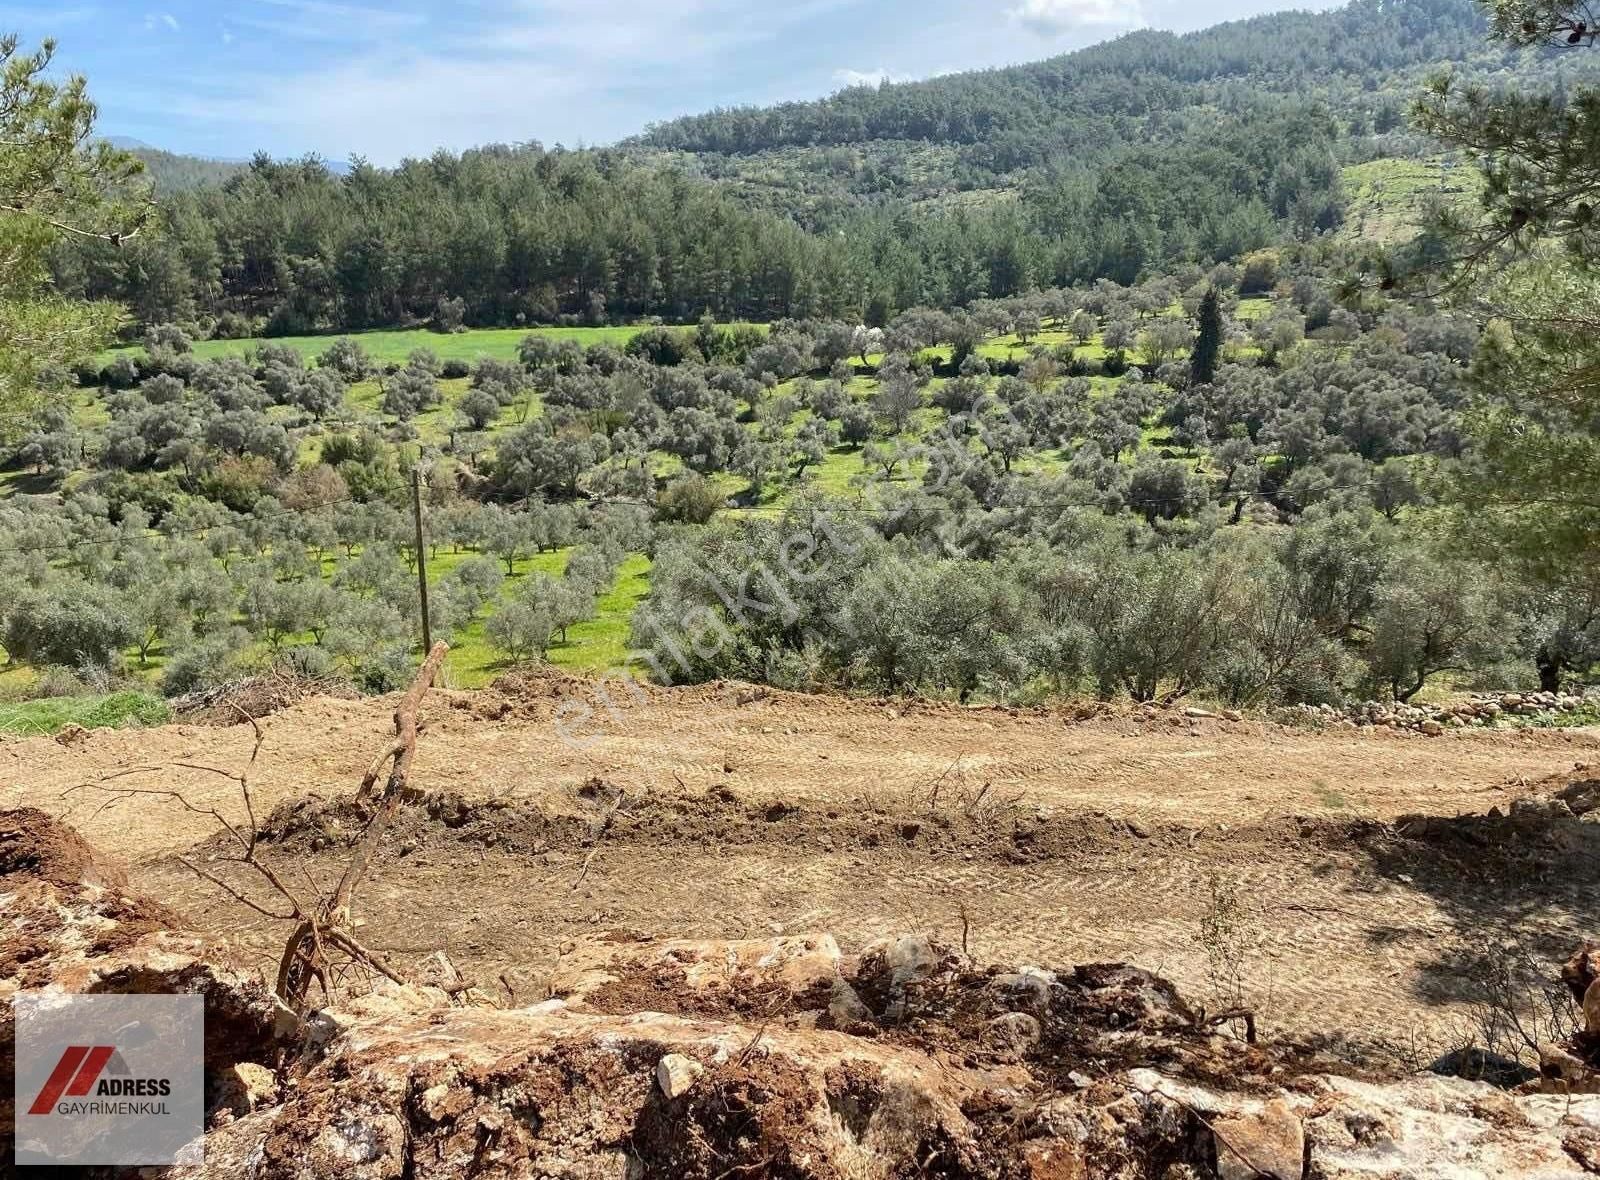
743, 812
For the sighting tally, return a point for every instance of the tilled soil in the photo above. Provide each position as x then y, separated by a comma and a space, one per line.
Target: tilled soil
1366, 873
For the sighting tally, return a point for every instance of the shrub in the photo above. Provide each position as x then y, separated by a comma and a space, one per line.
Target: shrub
479, 408
660, 346
1260, 272
231, 325
203, 664
121, 373
520, 629
690, 500
94, 712
55, 681
450, 315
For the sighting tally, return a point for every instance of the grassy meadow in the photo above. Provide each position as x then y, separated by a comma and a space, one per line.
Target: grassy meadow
392, 346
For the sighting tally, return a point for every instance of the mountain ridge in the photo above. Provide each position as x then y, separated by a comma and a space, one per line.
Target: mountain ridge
1144, 154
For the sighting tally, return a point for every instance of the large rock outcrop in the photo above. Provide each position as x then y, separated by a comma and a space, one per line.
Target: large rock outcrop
779, 1057
69, 922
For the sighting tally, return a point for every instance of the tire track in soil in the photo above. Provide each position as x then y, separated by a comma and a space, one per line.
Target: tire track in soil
1335, 935
1345, 934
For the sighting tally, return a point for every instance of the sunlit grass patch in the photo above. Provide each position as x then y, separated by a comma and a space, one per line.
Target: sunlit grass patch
115, 710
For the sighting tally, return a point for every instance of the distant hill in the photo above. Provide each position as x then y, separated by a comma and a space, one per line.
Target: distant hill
1150, 154
1358, 66
173, 172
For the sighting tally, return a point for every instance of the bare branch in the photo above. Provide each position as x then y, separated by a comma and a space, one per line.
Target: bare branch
323, 924
232, 892
405, 726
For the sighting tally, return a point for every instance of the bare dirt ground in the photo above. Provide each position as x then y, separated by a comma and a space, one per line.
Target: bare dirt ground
729, 811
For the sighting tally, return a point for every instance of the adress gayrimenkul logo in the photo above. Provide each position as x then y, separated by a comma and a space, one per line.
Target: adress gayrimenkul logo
108, 1079
100, 1070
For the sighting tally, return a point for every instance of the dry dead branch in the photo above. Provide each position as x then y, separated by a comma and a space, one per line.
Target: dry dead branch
321, 924
303, 956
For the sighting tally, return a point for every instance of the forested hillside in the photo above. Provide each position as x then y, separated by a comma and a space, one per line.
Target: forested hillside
1359, 61
1114, 418
170, 172
1119, 161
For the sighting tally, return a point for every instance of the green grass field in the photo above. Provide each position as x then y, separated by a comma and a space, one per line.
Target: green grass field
1386, 198
600, 643
597, 644
393, 346
594, 645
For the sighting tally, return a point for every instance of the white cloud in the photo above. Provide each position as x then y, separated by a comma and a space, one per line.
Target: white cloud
364, 80
322, 20
406, 105
227, 37
553, 70
1053, 18
875, 77
611, 35
156, 20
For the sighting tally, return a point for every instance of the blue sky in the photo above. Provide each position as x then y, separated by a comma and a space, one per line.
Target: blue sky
393, 80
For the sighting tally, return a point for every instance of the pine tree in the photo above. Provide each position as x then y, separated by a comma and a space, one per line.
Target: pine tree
1537, 152
52, 186
1208, 341
1524, 491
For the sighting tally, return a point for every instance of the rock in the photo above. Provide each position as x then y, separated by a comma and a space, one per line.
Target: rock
677, 1074
1582, 796
245, 1088
1428, 1127
907, 960
1027, 989
71, 924
1563, 1071
1581, 969
1137, 995
911, 956
1195, 711
1232, 715
846, 1012
403, 1083
1533, 808
1269, 1144
796, 964
71, 735
1584, 1147
1431, 728
1013, 1032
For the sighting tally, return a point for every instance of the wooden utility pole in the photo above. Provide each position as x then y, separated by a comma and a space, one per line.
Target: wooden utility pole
422, 556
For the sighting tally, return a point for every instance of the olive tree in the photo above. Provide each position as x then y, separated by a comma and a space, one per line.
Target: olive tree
520, 629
